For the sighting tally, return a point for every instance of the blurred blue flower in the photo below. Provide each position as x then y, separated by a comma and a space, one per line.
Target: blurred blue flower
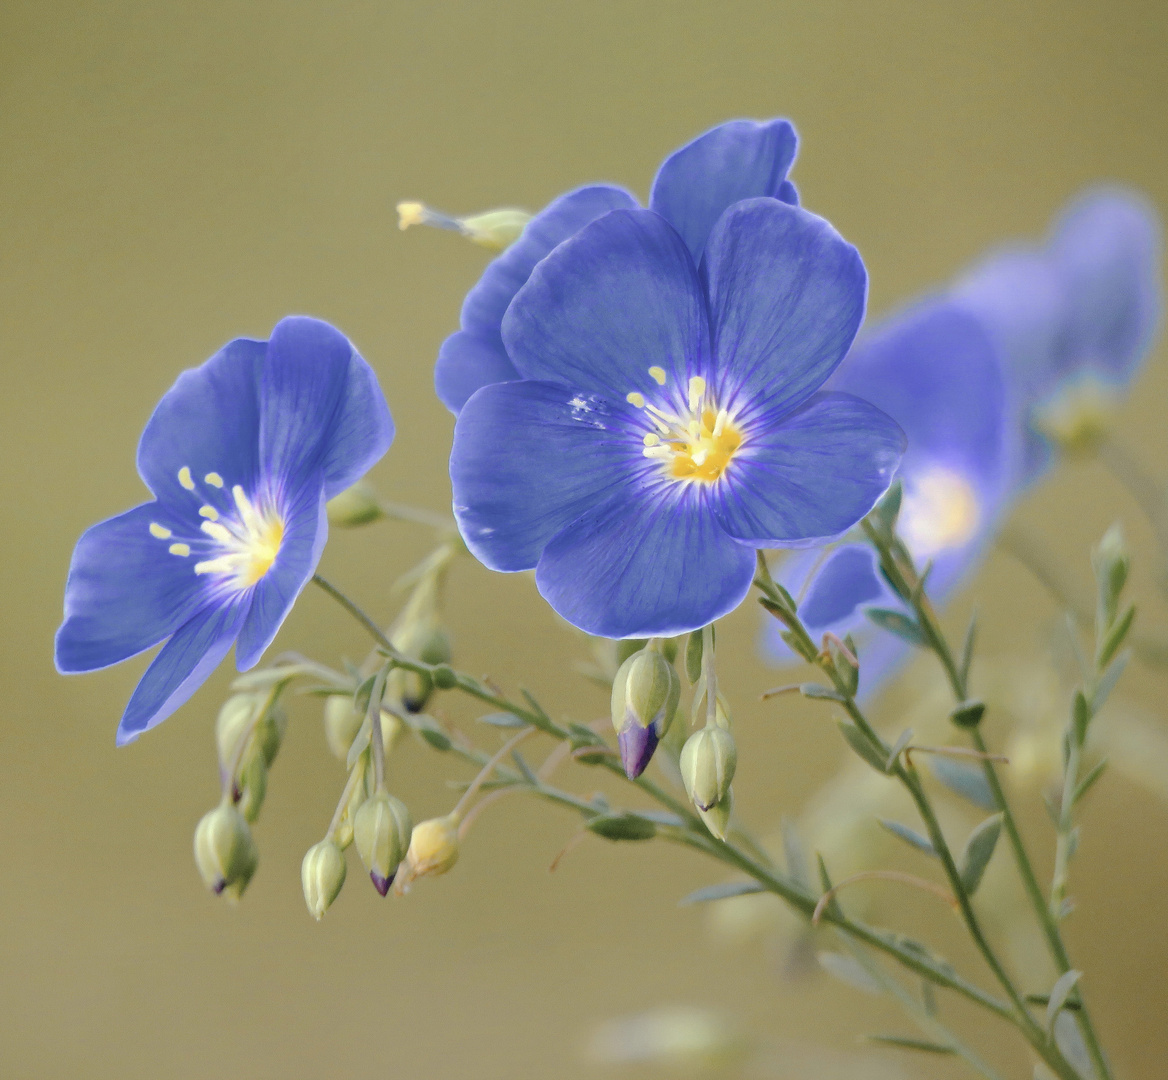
935, 370
240, 455
737, 160
668, 422
1074, 317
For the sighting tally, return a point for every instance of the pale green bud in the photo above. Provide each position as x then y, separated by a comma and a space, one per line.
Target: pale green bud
341, 724
645, 694
495, 230
224, 850
717, 818
253, 784
234, 724
356, 505
322, 874
708, 760
361, 790
433, 847
381, 832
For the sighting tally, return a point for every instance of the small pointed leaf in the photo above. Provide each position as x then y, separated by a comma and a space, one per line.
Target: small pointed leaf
1059, 994
848, 971
909, 836
979, 849
897, 747
896, 622
720, 892
876, 756
968, 781
901, 1042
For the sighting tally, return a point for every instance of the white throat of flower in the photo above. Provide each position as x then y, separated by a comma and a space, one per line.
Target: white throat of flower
939, 511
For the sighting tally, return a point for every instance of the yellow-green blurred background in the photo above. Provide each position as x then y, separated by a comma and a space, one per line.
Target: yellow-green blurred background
175, 174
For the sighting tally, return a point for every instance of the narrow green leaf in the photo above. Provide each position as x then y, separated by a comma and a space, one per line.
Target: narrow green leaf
524, 768
819, 692
1088, 781
795, 854
849, 971
896, 622
979, 849
900, 1042
663, 817
1059, 994
968, 781
909, 836
720, 892
693, 657
928, 997
502, 720
1108, 680
1044, 1000
897, 747
622, 826
1115, 636
876, 756
1080, 717
967, 645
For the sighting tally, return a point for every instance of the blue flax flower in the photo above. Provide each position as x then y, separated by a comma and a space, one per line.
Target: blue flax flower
936, 371
737, 160
240, 455
668, 420
1075, 317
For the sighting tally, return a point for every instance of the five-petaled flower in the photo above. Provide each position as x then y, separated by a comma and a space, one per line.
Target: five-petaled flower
240, 455
667, 422
740, 159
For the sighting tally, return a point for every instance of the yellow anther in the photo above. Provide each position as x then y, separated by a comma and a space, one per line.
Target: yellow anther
658, 374
410, 213
636, 400
697, 388
209, 512
184, 478
180, 549
160, 532
214, 479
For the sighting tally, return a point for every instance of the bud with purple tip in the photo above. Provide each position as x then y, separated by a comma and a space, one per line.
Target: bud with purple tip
381, 831
645, 694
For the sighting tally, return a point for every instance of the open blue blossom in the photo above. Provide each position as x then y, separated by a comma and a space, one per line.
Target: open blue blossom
737, 160
935, 370
240, 455
1074, 317
668, 421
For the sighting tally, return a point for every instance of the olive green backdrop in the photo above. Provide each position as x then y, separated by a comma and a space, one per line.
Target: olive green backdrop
175, 174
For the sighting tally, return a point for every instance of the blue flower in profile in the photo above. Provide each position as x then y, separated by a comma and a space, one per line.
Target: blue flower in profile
1075, 317
737, 160
935, 370
240, 455
669, 420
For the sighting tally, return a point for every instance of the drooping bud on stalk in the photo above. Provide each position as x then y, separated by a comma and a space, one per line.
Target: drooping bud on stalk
495, 230
645, 694
233, 724
322, 874
225, 852
357, 505
708, 760
381, 832
433, 847
717, 818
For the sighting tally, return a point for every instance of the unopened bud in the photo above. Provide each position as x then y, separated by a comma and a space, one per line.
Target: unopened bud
322, 874
708, 760
424, 641
253, 783
233, 725
225, 852
645, 694
433, 847
495, 230
341, 723
381, 832
717, 818
269, 732
356, 505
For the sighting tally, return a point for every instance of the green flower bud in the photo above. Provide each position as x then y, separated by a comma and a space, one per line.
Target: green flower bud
381, 832
645, 694
253, 783
433, 847
708, 760
356, 505
234, 724
224, 850
362, 789
495, 230
322, 874
717, 818
341, 724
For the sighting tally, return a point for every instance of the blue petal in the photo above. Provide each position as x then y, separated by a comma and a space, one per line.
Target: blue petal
1107, 249
207, 422
742, 159
321, 408
619, 297
181, 667
786, 299
528, 459
788, 193
125, 591
305, 533
466, 363
645, 565
846, 580
810, 474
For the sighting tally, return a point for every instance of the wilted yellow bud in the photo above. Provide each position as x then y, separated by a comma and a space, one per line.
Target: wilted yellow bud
224, 850
495, 230
708, 760
433, 847
381, 832
322, 874
356, 505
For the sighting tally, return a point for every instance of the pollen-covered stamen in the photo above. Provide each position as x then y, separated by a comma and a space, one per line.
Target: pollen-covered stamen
698, 441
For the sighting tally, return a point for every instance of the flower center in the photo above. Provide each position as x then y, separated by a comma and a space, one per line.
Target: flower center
1079, 416
697, 440
939, 511
239, 542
